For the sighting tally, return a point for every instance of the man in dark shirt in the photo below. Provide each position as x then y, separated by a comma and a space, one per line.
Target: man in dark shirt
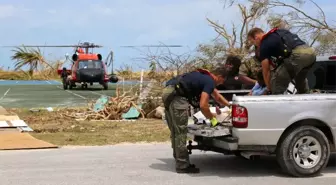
287, 66
193, 88
232, 82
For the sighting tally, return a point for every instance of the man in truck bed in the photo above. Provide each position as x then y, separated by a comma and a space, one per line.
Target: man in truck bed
249, 69
193, 88
232, 66
289, 56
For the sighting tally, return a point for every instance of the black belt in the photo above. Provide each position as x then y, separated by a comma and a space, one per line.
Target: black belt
174, 94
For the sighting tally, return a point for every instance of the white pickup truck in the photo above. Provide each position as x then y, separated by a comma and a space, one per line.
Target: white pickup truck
299, 129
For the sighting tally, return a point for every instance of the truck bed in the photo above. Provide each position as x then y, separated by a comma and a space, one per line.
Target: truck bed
206, 131
198, 127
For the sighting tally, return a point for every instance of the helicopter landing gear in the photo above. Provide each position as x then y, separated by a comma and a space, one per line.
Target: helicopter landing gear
67, 84
71, 84
84, 85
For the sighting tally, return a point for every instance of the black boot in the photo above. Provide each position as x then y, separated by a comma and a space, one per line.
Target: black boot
190, 169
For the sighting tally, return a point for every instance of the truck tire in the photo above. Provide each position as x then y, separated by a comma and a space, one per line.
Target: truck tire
304, 152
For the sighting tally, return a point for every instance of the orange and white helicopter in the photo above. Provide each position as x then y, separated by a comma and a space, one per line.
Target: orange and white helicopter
88, 67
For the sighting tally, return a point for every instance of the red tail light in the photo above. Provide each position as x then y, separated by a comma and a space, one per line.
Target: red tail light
332, 58
239, 116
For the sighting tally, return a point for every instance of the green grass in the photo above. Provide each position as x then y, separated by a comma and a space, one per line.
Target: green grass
61, 130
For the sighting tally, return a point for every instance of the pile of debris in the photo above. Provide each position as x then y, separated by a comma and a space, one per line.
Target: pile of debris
121, 106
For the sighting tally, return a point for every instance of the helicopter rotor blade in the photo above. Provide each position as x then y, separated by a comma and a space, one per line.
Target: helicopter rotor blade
60, 46
42, 46
175, 46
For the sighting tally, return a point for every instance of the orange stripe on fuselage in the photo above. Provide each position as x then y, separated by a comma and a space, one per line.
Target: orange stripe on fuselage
87, 57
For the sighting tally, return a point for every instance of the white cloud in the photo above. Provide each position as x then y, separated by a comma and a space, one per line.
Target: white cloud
148, 20
102, 10
9, 10
142, 15
162, 34
52, 11
163, 21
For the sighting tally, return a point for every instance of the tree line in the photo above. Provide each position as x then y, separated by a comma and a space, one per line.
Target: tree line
316, 30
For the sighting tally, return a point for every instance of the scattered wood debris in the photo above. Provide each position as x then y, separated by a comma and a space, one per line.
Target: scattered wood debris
113, 109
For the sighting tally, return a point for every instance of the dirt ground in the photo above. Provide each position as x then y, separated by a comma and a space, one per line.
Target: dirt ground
56, 128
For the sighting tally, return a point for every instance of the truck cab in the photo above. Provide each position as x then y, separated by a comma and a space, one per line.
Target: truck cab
322, 76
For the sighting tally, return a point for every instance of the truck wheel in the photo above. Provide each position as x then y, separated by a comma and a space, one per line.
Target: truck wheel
305, 151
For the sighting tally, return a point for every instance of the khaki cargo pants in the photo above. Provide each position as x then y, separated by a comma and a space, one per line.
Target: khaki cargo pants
177, 120
295, 67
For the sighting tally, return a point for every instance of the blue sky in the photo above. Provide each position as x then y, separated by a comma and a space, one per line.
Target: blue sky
112, 24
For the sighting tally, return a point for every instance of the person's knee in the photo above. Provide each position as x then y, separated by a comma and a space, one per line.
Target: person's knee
302, 87
279, 87
279, 90
279, 84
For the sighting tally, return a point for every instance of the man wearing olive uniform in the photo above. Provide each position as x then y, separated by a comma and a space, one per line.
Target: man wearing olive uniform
194, 88
284, 58
248, 72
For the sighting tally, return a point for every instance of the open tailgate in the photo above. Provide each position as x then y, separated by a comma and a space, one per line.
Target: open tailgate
207, 131
197, 127
217, 138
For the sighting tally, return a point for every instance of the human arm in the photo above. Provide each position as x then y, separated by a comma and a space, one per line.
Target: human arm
268, 49
246, 80
266, 73
254, 88
204, 105
219, 98
208, 86
245, 72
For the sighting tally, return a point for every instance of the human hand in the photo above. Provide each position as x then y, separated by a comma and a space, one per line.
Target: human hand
267, 92
214, 122
218, 111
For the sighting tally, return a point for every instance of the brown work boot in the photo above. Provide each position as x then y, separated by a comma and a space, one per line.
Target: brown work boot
190, 169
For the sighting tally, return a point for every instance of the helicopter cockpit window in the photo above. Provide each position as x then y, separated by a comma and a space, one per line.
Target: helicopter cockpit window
84, 64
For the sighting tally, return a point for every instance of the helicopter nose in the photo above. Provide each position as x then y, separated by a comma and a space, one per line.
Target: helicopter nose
90, 75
